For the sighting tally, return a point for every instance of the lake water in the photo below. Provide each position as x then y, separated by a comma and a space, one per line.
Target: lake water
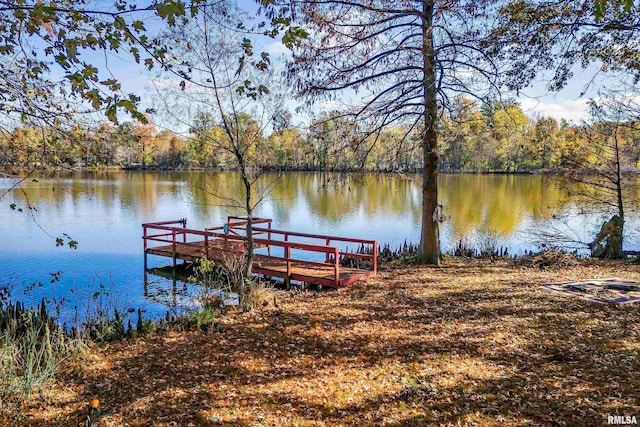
103, 211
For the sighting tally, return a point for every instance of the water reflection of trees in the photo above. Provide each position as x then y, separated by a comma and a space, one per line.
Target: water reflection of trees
499, 202
494, 202
134, 191
216, 194
332, 197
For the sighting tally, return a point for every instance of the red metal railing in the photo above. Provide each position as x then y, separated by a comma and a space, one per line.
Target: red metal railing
236, 229
287, 235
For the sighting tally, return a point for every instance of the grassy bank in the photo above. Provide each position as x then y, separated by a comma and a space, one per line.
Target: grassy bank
471, 343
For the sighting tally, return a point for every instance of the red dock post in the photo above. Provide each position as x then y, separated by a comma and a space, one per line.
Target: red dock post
374, 254
206, 246
287, 255
144, 239
173, 249
336, 273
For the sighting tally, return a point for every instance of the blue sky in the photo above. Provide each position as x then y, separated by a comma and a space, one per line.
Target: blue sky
569, 104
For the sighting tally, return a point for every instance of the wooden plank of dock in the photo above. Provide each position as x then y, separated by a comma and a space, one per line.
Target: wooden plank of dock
219, 247
263, 264
193, 251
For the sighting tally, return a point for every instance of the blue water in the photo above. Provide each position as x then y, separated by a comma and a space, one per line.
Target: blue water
103, 212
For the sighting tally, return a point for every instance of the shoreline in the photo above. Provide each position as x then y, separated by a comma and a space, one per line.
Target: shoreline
20, 171
15, 170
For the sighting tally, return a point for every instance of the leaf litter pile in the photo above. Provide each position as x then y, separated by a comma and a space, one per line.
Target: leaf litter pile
470, 343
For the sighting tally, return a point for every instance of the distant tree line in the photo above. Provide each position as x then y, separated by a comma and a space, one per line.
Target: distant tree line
496, 137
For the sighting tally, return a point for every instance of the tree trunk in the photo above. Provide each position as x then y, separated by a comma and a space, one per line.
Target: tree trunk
429, 252
144, 162
619, 195
249, 265
608, 242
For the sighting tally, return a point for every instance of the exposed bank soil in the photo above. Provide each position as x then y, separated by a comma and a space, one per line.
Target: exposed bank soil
470, 343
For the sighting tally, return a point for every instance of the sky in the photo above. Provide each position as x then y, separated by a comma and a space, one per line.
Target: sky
569, 104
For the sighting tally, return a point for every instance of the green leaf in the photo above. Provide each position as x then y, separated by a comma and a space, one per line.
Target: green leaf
71, 46
628, 5
600, 7
293, 36
247, 47
127, 105
169, 10
111, 114
139, 117
94, 96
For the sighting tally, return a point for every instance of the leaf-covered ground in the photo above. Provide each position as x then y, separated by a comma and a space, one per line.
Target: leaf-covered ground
470, 343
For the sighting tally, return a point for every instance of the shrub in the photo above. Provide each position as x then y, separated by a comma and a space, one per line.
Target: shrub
31, 349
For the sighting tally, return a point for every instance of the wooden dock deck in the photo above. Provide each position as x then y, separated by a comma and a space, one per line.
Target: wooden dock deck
293, 263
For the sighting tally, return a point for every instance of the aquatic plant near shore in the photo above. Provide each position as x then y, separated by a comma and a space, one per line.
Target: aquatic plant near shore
220, 279
32, 346
486, 247
33, 343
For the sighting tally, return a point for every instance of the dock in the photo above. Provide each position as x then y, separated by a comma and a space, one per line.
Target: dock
291, 256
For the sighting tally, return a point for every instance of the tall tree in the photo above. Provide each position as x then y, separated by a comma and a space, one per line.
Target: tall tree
227, 86
509, 127
403, 61
545, 141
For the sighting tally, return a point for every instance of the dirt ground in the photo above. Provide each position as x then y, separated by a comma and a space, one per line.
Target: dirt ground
469, 343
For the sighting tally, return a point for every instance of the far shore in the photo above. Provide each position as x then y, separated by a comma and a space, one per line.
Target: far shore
11, 170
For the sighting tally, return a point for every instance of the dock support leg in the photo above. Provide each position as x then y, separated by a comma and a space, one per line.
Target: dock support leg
174, 266
145, 262
287, 255
145, 282
174, 252
174, 292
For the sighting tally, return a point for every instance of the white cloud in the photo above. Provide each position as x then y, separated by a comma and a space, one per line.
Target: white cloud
572, 110
276, 48
333, 105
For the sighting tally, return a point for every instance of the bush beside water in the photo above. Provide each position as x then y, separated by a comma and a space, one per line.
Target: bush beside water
32, 346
